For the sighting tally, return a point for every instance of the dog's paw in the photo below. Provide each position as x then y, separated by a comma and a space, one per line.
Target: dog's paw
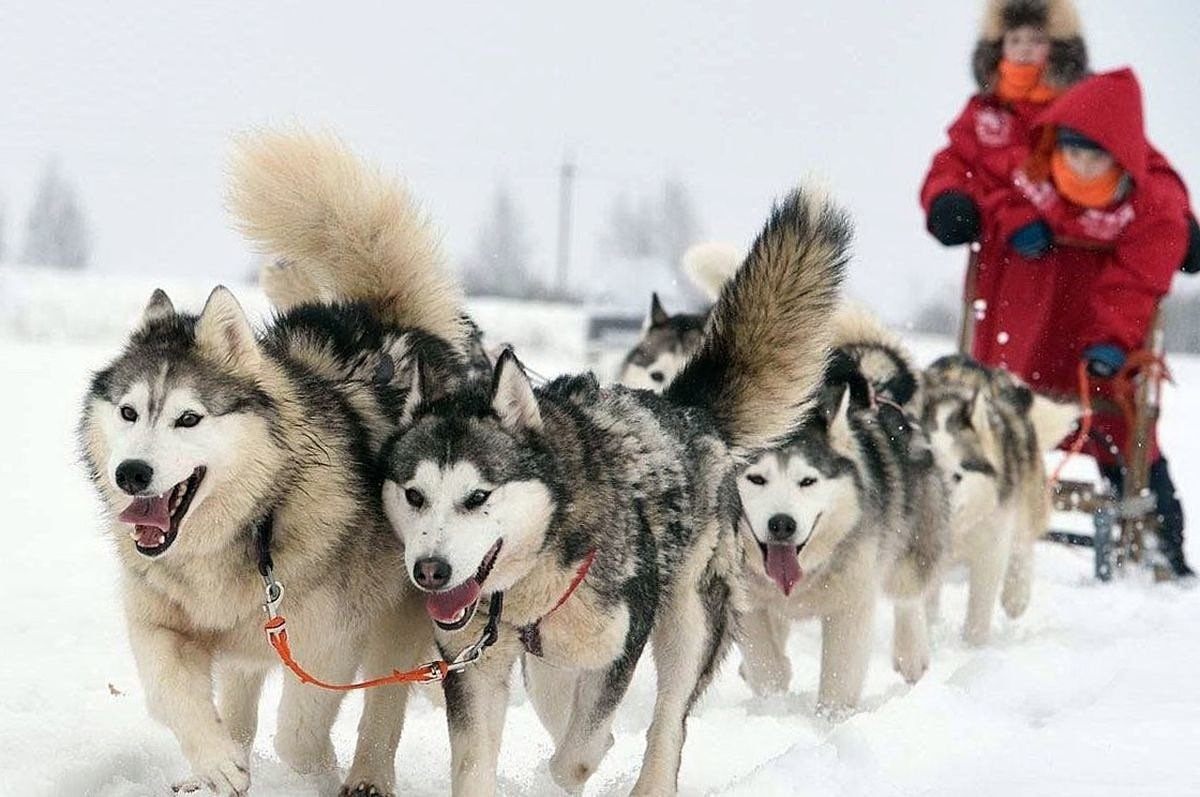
911, 666
364, 789
767, 681
223, 769
977, 634
1015, 598
571, 767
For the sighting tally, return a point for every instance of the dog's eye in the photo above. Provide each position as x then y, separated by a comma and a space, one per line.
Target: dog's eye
807, 481
754, 478
128, 413
187, 420
476, 499
414, 497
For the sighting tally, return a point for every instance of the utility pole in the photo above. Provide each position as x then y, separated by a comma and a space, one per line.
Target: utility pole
566, 180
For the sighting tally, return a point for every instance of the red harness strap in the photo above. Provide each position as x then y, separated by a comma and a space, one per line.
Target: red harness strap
530, 635
276, 629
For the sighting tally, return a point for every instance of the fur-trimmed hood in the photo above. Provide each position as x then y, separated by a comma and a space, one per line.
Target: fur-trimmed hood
1068, 61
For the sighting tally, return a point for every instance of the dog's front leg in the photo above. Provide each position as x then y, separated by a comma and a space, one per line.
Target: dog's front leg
476, 700
762, 640
845, 652
176, 674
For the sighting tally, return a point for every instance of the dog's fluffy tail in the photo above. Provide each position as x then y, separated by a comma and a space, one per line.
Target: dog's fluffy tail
337, 229
878, 353
768, 335
710, 265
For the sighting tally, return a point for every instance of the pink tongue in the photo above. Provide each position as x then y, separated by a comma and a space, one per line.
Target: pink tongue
782, 566
445, 606
155, 512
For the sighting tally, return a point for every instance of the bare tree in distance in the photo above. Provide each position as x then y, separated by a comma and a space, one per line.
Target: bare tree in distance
631, 231
500, 263
56, 232
678, 227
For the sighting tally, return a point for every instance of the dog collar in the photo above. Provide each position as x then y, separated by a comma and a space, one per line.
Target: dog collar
531, 635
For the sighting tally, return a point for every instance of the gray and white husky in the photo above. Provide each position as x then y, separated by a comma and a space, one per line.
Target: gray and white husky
989, 433
203, 430
606, 517
668, 340
852, 506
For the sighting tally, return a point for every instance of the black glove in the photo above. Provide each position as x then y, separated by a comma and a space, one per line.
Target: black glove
1191, 260
1033, 240
953, 218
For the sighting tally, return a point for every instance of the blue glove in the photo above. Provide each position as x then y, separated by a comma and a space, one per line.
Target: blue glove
1033, 240
1103, 360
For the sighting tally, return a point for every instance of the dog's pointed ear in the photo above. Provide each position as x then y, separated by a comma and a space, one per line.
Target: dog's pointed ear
841, 436
658, 316
158, 308
418, 391
981, 420
224, 334
513, 400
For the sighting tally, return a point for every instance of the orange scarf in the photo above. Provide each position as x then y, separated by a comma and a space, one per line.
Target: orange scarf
1023, 82
1099, 192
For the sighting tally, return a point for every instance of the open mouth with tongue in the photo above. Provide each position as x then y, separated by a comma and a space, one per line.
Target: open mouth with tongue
780, 560
156, 518
453, 608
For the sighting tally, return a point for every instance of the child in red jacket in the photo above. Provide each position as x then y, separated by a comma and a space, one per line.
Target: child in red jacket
1028, 52
1076, 254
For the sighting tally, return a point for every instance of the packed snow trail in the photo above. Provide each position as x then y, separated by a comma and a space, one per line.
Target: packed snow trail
1092, 692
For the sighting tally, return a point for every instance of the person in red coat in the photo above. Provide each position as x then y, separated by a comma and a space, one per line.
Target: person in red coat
1028, 52
1076, 253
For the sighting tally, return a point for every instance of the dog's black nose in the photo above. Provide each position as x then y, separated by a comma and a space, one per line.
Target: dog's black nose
432, 572
781, 527
134, 476
658, 376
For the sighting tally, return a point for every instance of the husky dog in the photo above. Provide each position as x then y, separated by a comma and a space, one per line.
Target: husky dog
668, 341
606, 517
989, 432
852, 505
201, 430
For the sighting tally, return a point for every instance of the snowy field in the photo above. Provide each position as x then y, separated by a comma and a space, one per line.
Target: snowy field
1093, 692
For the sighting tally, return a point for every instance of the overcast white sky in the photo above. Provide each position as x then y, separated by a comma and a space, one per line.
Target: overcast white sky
138, 99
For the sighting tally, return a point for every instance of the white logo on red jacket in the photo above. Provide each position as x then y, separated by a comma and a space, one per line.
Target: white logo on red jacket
993, 127
1106, 225
1043, 195
1103, 225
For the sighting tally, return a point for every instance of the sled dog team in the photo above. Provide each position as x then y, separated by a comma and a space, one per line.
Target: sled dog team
789, 462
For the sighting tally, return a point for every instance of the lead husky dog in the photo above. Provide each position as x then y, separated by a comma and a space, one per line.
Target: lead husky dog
200, 430
851, 506
667, 341
606, 517
989, 432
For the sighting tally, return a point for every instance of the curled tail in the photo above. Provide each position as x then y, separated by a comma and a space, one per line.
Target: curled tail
710, 265
339, 230
768, 335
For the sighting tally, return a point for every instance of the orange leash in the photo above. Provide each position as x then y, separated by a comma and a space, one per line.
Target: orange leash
1085, 425
430, 672
1124, 392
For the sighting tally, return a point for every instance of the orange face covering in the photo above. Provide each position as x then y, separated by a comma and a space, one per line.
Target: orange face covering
1098, 192
1023, 82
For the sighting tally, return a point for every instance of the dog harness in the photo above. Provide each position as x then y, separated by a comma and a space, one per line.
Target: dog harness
531, 635
430, 672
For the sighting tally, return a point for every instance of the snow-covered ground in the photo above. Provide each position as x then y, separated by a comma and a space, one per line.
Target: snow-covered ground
1093, 692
